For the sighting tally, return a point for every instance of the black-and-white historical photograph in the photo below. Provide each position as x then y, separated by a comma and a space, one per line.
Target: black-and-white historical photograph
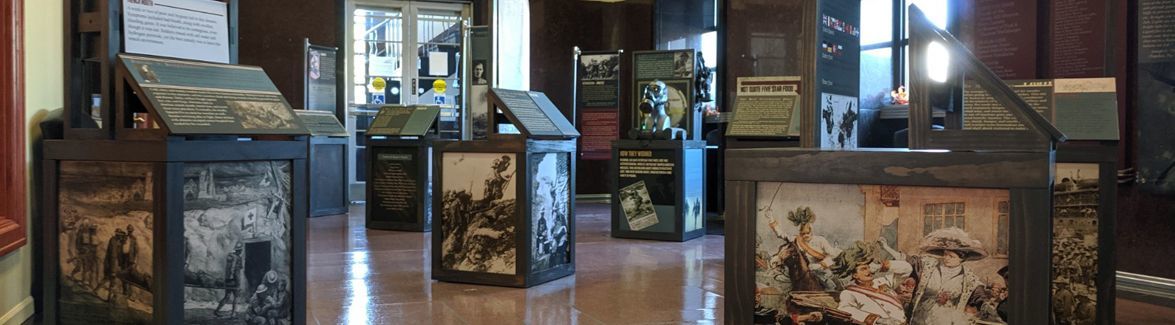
599, 66
237, 243
838, 121
552, 244
105, 242
637, 206
263, 115
478, 211
1075, 235
683, 65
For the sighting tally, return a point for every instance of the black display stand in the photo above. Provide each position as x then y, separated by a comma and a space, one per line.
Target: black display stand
399, 164
140, 227
505, 205
673, 176
327, 163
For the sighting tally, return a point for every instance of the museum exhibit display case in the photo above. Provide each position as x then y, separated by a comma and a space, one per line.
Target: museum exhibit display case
327, 168
176, 191
400, 144
659, 189
504, 205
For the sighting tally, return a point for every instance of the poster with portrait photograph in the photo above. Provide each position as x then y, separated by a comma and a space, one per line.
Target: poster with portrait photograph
550, 207
838, 121
855, 254
237, 257
321, 78
478, 210
105, 243
1075, 243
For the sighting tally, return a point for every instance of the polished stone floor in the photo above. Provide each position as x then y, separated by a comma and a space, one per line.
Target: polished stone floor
360, 276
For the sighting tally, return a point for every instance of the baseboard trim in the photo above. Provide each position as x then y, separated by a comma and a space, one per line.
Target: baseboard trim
1150, 289
593, 198
19, 314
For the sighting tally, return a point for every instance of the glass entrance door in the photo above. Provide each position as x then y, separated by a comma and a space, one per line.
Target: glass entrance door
402, 53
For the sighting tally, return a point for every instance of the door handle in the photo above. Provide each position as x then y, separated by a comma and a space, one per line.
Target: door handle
415, 86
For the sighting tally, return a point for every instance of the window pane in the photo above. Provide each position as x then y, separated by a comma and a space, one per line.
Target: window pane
876, 21
935, 10
876, 77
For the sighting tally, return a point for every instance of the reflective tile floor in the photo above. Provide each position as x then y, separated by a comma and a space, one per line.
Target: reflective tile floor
360, 276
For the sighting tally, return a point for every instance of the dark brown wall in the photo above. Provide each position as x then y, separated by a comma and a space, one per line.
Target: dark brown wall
763, 38
559, 25
272, 32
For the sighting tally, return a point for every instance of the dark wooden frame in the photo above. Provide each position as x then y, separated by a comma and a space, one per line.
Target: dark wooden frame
13, 212
101, 28
523, 277
693, 118
169, 158
679, 149
1105, 155
314, 147
1027, 176
1039, 134
424, 177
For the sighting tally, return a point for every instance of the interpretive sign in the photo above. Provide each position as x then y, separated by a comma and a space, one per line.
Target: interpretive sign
532, 113
404, 120
1005, 37
185, 29
676, 69
208, 98
1078, 38
598, 103
321, 123
1155, 73
1082, 108
766, 107
647, 190
394, 184
481, 56
321, 79
838, 61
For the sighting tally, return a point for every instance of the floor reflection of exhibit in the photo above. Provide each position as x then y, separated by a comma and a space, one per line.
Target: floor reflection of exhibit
237, 237
105, 242
550, 207
478, 211
834, 254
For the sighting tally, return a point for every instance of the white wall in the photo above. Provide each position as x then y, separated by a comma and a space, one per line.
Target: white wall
43, 73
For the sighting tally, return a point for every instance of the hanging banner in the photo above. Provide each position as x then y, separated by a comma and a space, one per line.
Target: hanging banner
321, 81
598, 102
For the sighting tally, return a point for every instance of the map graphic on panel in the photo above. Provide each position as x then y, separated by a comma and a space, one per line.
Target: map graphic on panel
105, 242
845, 254
478, 208
1075, 235
237, 243
549, 222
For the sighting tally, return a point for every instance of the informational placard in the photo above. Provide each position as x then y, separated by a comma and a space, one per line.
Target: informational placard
1081, 108
648, 190
185, 29
838, 77
1155, 83
1005, 37
533, 113
1078, 38
321, 79
321, 123
394, 184
208, 98
481, 56
676, 69
766, 107
404, 120
983, 112
598, 103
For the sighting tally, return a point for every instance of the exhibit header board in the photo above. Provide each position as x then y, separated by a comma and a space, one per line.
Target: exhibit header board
185, 29
414, 121
766, 107
597, 100
532, 113
321, 123
197, 98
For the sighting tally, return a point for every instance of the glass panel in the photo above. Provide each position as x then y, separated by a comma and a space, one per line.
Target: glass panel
378, 47
935, 10
876, 21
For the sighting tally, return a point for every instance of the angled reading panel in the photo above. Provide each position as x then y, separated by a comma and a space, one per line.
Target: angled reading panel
1039, 134
321, 123
197, 98
532, 113
410, 121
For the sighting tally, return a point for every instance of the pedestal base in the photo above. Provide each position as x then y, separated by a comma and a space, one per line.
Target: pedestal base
658, 189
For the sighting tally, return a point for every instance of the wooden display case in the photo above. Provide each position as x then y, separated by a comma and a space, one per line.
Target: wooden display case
400, 168
659, 189
505, 205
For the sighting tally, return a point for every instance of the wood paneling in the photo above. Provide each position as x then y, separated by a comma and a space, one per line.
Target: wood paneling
272, 32
12, 131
